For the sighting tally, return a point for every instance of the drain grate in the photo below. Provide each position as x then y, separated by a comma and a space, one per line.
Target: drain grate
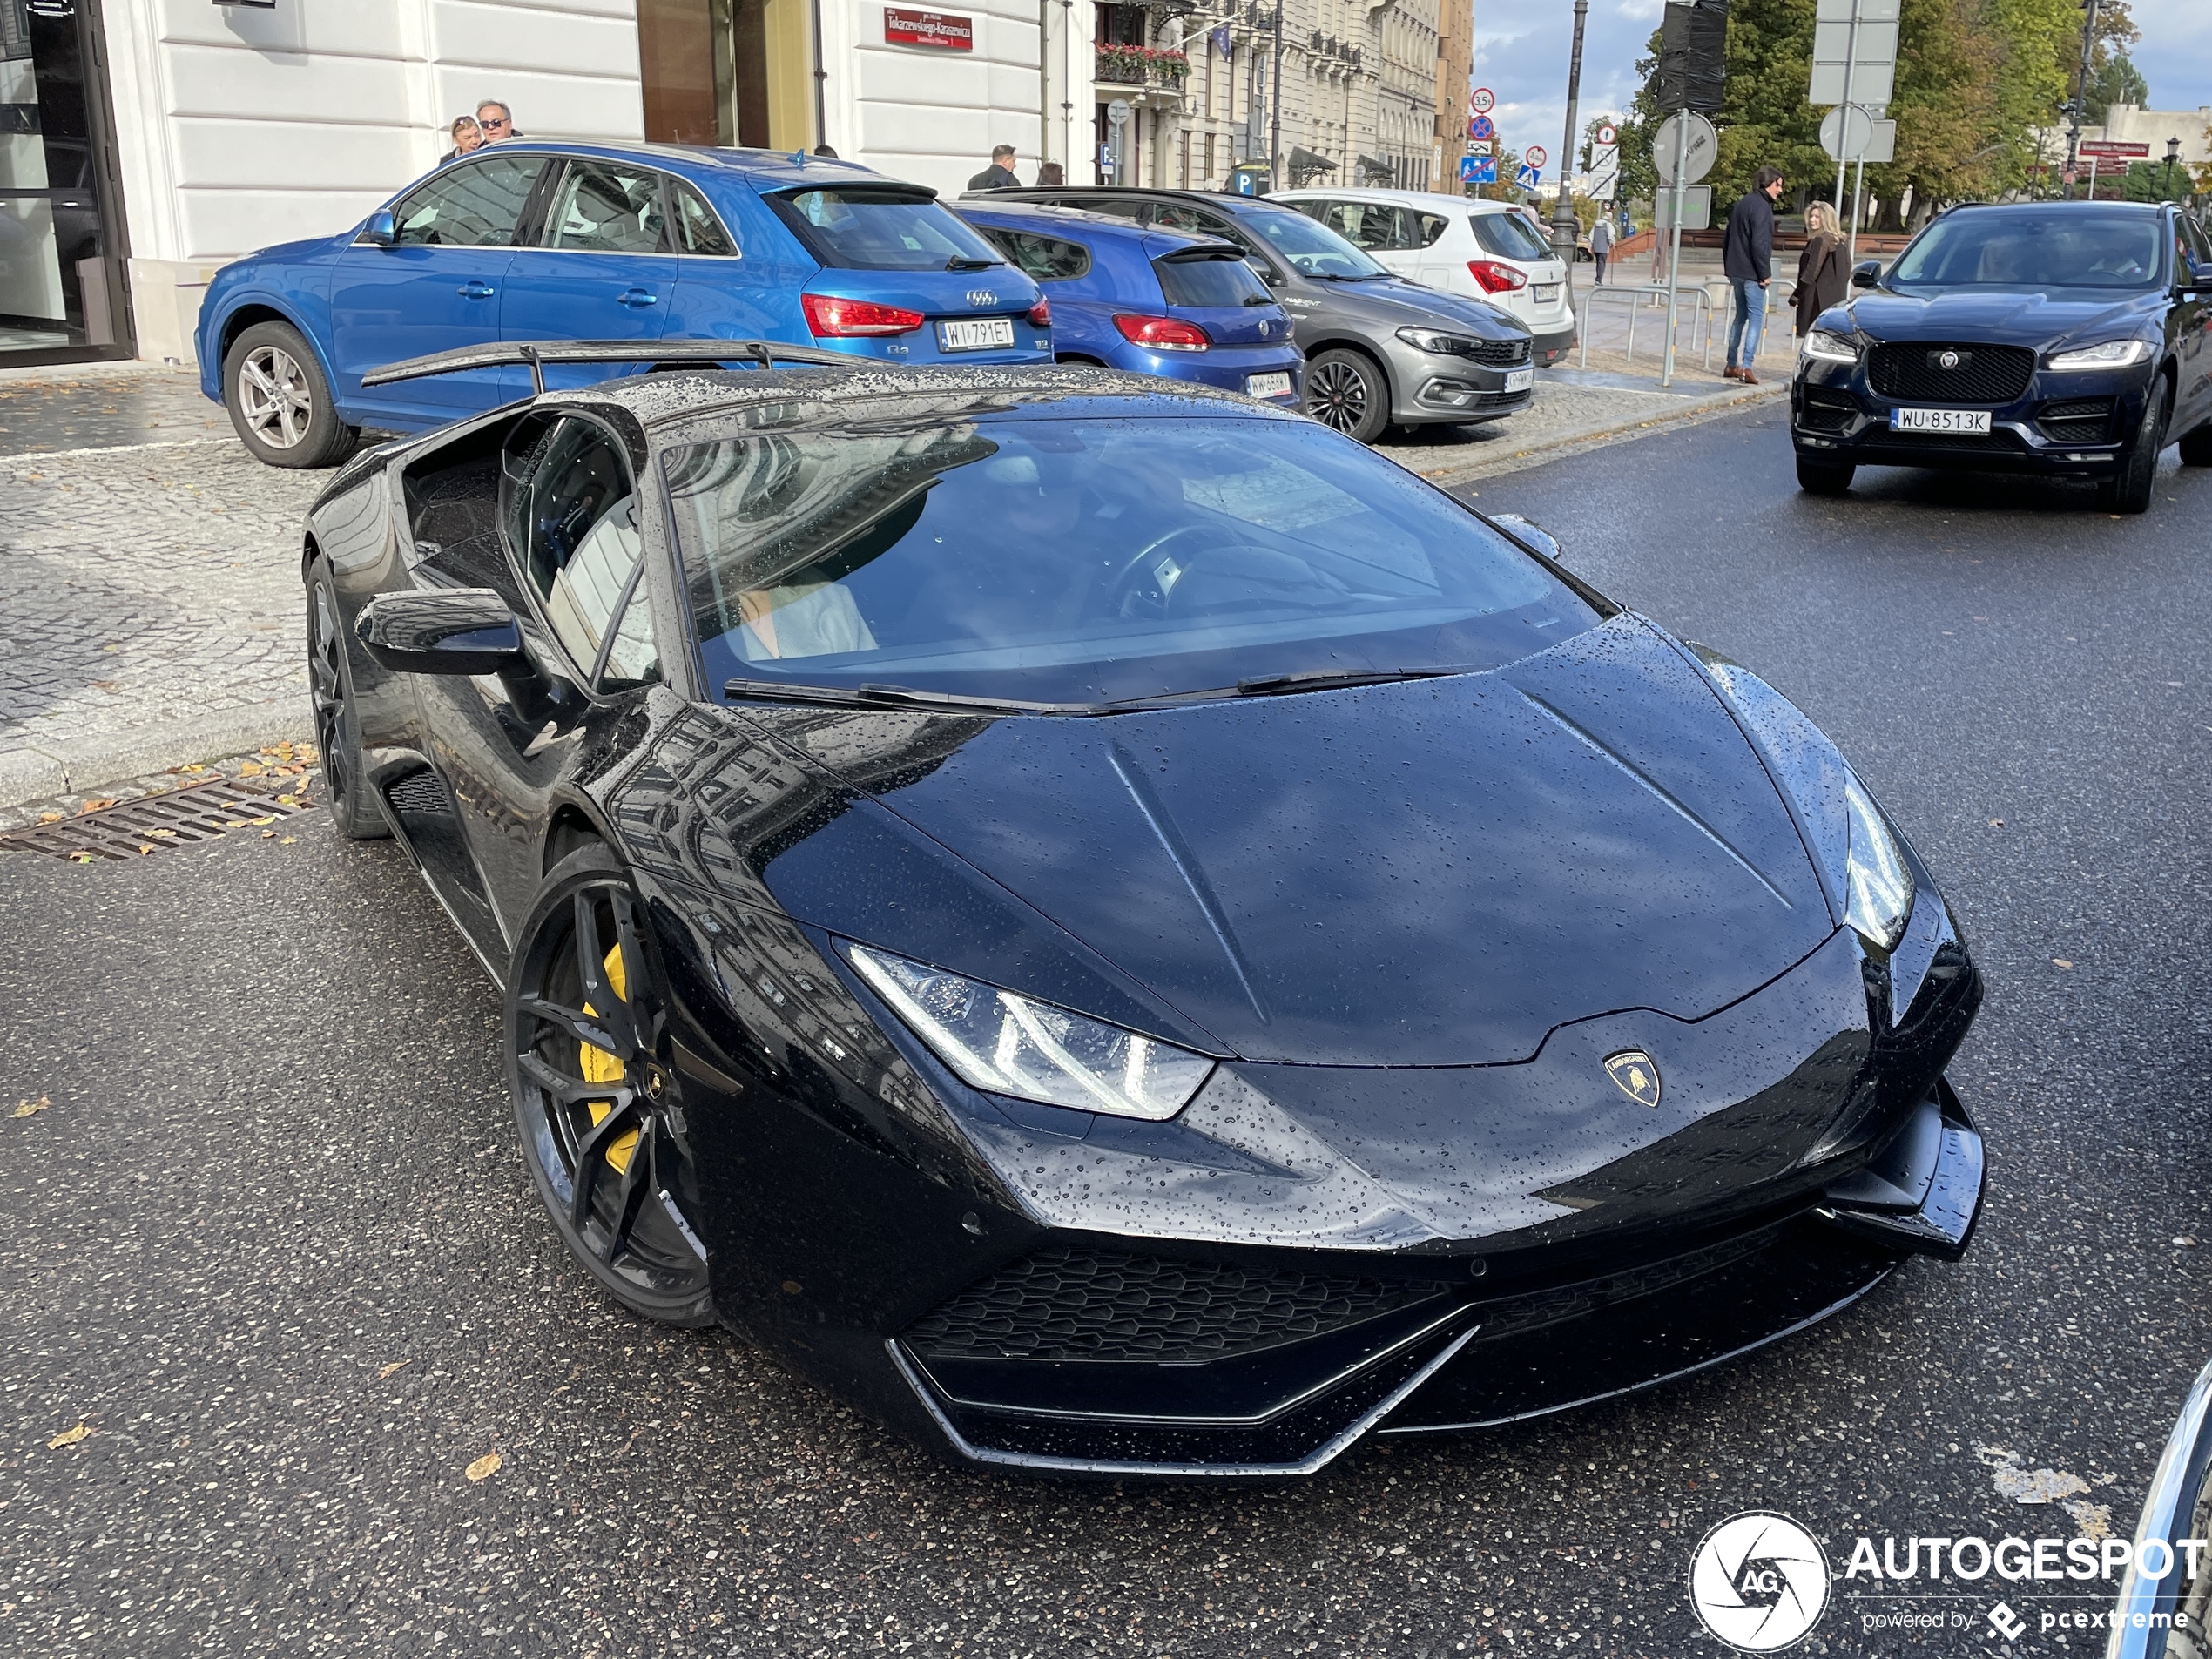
131, 829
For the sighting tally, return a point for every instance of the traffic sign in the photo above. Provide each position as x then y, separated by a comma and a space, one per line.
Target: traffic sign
2110, 149
1696, 208
1703, 148
1118, 112
1478, 146
1849, 133
1481, 101
1482, 127
1606, 134
1536, 156
1605, 173
1529, 178
1478, 170
1854, 52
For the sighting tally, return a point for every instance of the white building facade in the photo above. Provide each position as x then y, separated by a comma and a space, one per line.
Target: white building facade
144, 143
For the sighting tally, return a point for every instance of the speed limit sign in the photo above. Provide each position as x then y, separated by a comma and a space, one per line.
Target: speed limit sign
1481, 101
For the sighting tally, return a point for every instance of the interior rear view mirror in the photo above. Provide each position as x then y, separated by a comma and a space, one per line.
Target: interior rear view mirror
457, 630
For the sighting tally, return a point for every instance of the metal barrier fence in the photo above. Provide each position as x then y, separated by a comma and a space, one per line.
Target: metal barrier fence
1713, 298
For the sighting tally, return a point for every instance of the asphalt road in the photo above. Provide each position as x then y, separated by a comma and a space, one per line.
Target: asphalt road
271, 1245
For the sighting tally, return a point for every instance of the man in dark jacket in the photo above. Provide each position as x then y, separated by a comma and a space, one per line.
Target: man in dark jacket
1000, 174
1747, 258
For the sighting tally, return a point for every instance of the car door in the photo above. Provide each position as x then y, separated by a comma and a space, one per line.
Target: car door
1081, 294
731, 284
2190, 330
604, 266
570, 561
437, 287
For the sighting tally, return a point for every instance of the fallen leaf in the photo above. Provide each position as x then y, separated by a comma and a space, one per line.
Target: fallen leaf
2061, 961
394, 1367
50, 818
292, 801
268, 835
270, 819
32, 1108
286, 840
252, 769
2185, 1240
80, 858
161, 832
68, 1437
485, 1466
144, 850
94, 806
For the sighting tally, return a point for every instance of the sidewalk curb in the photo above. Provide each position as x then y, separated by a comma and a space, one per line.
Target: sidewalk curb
32, 772
1465, 469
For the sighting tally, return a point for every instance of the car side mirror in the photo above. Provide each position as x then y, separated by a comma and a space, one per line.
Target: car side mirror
2174, 1574
1866, 273
1529, 532
451, 630
2201, 277
380, 229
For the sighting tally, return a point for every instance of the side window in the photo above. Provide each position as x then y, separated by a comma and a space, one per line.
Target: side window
1045, 258
1429, 227
604, 207
473, 204
699, 229
1237, 236
575, 533
1174, 216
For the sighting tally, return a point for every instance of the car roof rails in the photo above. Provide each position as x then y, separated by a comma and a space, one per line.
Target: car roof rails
761, 353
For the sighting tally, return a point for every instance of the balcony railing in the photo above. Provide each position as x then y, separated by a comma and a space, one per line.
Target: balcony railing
1126, 66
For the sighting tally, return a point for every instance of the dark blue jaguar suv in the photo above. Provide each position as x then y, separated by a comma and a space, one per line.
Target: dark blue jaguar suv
2072, 339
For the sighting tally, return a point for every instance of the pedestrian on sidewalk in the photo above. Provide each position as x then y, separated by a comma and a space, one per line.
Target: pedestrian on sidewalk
1050, 175
1820, 267
498, 121
1747, 259
1000, 174
1600, 245
467, 136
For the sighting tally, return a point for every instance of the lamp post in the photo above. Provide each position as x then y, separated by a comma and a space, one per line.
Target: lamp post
1566, 229
2173, 154
2080, 97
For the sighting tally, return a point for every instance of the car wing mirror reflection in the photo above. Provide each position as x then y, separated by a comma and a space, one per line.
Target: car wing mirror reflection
454, 631
1531, 534
1866, 273
380, 229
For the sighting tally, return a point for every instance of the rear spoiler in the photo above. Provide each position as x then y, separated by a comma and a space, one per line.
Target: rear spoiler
763, 354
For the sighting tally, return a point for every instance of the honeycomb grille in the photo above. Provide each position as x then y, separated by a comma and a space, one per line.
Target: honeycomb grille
1982, 373
420, 793
1500, 354
1826, 413
1107, 1304
2081, 420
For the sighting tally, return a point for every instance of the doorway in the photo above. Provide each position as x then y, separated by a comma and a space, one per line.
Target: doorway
727, 72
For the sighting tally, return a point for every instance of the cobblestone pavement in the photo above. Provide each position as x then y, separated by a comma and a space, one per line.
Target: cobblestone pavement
97, 405
150, 612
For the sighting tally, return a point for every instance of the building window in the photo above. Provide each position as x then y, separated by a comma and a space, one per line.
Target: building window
726, 72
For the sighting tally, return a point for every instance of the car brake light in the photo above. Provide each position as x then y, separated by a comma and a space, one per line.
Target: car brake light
828, 316
1496, 278
1040, 314
1163, 334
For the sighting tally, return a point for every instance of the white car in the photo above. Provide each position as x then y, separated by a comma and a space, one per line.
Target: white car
1485, 250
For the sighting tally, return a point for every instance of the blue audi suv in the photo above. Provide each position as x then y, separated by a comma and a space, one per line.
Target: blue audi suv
529, 241
1182, 307
2070, 340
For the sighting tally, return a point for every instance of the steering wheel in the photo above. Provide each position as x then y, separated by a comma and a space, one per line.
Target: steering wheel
1125, 600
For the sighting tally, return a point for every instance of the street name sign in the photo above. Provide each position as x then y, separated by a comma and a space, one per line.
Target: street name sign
2112, 149
1704, 149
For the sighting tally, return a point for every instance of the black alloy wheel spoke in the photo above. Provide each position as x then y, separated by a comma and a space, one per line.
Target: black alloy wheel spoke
590, 1159
611, 1011
630, 1197
584, 1028
569, 1090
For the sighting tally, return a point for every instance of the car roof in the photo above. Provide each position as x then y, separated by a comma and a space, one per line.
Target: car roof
1436, 200
1074, 220
763, 169
804, 396
1044, 195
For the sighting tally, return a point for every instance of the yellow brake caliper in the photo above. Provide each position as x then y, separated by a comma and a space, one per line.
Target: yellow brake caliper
600, 1066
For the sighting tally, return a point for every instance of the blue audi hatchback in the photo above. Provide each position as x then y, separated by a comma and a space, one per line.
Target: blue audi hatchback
526, 240
1183, 306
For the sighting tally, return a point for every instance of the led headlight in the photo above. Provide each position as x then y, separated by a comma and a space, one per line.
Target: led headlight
1851, 838
2113, 353
1435, 340
1830, 348
1878, 883
1008, 1044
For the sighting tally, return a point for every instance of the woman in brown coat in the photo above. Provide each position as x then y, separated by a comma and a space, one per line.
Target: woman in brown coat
1820, 267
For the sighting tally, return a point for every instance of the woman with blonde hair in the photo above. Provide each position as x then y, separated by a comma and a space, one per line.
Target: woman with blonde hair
467, 136
1820, 267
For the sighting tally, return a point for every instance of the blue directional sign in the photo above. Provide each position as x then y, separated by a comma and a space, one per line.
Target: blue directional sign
1529, 178
1478, 170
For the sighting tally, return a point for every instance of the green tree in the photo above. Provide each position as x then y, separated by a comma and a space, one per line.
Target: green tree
2112, 79
2032, 38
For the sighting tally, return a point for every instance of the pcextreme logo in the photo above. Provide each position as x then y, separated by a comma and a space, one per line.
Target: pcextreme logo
1759, 1582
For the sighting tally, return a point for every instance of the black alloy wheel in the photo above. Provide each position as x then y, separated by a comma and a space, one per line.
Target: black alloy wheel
602, 1128
2129, 491
338, 738
280, 403
1345, 390
1823, 478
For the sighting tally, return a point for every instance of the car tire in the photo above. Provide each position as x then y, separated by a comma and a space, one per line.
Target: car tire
1348, 391
2130, 491
613, 1169
2196, 447
337, 737
1824, 478
280, 403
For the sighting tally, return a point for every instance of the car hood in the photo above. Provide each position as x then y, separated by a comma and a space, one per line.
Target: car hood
1433, 872
2018, 319
1396, 303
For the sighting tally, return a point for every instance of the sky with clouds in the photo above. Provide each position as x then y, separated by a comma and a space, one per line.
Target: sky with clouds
1521, 50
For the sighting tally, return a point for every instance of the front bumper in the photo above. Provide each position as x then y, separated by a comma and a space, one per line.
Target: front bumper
1434, 388
2076, 425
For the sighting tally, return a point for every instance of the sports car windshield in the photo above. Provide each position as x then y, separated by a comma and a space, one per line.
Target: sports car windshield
2036, 249
1083, 560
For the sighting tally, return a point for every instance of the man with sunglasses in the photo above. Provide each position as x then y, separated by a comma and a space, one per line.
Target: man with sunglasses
498, 121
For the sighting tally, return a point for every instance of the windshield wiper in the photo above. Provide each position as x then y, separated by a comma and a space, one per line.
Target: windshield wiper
890, 696
1310, 679
960, 262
